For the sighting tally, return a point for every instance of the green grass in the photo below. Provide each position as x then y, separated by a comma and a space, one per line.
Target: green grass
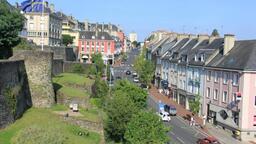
72, 78
58, 107
73, 92
90, 115
45, 118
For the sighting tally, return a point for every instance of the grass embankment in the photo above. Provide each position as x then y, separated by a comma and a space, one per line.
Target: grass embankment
72, 85
45, 118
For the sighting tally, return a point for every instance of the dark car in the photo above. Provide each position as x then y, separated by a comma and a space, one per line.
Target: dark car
208, 140
128, 72
144, 86
118, 77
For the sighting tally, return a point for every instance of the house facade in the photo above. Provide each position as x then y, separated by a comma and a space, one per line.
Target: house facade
96, 42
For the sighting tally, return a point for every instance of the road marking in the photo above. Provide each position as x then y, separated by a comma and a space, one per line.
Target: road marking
178, 138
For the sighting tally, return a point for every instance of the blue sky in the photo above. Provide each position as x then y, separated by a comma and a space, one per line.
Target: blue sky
144, 16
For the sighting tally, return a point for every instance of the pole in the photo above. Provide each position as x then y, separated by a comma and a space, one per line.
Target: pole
42, 27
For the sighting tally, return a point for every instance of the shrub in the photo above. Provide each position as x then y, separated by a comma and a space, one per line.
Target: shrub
77, 68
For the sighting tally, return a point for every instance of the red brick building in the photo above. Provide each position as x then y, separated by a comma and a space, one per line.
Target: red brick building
91, 42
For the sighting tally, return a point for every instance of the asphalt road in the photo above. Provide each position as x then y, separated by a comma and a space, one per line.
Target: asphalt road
181, 132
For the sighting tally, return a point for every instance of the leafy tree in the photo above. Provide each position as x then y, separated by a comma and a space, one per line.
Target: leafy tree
145, 68
138, 95
11, 23
194, 105
99, 63
23, 45
67, 39
146, 128
100, 89
134, 43
215, 33
119, 110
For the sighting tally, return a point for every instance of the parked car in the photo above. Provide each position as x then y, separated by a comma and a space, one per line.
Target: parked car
118, 77
208, 140
136, 80
134, 74
170, 109
165, 116
144, 86
128, 72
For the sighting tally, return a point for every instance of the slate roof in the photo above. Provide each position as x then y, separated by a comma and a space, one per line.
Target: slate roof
241, 57
205, 48
89, 34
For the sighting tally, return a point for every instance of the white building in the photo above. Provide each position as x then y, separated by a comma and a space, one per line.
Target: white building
133, 37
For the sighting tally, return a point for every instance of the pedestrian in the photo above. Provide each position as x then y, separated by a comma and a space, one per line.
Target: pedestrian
191, 121
204, 119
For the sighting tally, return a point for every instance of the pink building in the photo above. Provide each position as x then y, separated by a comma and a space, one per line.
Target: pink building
229, 75
91, 42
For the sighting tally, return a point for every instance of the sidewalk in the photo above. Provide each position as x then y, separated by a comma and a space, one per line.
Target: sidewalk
223, 136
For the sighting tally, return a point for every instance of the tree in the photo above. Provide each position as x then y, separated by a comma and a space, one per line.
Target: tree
98, 62
215, 33
137, 95
23, 45
119, 110
134, 43
67, 39
100, 89
11, 23
145, 68
194, 105
146, 128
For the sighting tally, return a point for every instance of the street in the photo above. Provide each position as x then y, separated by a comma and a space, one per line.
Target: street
181, 132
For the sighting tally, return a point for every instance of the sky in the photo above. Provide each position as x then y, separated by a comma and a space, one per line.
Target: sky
236, 17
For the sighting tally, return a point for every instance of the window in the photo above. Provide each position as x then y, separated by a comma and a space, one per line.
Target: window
208, 94
216, 77
215, 95
209, 75
235, 79
87, 49
31, 26
93, 44
225, 78
234, 97
82, 42
108, 43
82, 49
254, 120
184, 85
39, 34
255, 100
202, 57
102, 49
87, 43
98, 44
42, 26
224, 97
102, 44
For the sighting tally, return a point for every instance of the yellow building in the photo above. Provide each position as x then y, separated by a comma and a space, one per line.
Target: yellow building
71, 26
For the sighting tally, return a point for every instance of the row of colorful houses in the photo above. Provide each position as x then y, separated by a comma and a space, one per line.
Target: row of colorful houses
221, 71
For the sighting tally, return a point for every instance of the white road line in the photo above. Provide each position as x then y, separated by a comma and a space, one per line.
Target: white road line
180, 140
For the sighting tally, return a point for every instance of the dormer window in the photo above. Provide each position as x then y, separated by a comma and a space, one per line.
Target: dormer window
195, 58
103, 37
83, 36
93, 37
202, 57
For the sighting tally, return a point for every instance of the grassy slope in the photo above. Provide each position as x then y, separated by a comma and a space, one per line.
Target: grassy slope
65, 80
45, 118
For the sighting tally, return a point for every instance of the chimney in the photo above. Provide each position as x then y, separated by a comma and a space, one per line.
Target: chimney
229, 42
52, 8
96, 31
202, 37
102, 28
182, 36
86, 25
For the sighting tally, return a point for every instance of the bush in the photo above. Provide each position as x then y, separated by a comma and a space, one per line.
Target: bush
77, 68
39, 135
